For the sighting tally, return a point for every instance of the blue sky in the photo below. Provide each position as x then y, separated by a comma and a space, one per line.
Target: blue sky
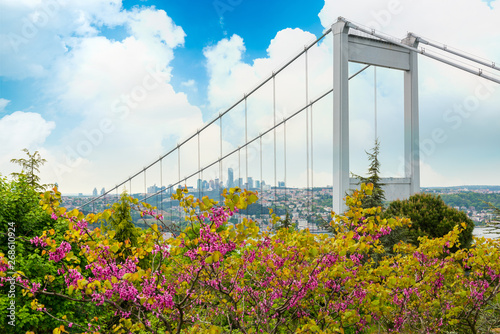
68, 67
257, 22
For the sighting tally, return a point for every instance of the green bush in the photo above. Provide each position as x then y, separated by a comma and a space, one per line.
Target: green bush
430, 217
21, 213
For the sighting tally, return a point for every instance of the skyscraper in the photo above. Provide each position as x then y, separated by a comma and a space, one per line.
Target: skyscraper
94, 192
230, 178
250, 182
103, 191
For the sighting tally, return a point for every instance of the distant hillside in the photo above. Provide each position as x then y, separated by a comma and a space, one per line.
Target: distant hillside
471, 199
455, 188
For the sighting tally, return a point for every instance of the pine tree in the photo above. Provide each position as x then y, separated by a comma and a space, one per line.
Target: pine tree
377, 198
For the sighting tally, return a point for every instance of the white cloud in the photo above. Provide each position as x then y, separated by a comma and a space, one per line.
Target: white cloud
189, 83
35, 33
149, 24
3, 104
21, 130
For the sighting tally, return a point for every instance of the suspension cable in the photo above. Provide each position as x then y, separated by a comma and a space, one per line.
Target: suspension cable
274, 133
456, 53
308, 190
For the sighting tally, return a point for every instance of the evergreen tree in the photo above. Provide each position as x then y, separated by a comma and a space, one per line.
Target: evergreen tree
30, 168
377, 197
121, 221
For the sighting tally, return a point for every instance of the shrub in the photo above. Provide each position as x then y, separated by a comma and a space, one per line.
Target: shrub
430, 217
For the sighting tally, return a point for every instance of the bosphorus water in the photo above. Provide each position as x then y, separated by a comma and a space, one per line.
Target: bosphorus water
482, 231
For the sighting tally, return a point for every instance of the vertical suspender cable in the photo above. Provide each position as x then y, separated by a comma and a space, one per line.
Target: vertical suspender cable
274, 132
171, 206
246, 140
179, 174
375, 95
221, 181
312, 160
179, 165
145, 190
156, 192
201, 177
307, 131
239, 175
284, 156
161, 186
200, 181
260, 183
333, 123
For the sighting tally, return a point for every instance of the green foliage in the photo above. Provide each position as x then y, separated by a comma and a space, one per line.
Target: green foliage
430, 217
121, 222
377, 197
19, 204
30, 168
21, 213
285, 222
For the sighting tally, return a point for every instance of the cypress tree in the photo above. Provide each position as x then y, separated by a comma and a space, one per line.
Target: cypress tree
377, 197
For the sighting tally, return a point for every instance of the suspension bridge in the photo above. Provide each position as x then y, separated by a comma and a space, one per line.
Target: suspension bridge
274, 138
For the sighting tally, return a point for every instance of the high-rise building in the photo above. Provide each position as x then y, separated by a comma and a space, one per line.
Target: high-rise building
103, 191
240, 182
153, 189
94, 192
257, 184
281, 184
230, 178
199, 184
250, 182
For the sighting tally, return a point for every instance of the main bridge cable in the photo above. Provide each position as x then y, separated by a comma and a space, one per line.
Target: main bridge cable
283, 121
446, 48
422, 51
